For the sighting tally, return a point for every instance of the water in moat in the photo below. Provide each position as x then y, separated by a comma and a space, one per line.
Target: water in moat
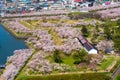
8, 43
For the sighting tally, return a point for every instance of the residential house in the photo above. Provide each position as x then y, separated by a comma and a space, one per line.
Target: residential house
109, 50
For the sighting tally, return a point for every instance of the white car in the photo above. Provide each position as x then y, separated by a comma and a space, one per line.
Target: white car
85, 4
31, 8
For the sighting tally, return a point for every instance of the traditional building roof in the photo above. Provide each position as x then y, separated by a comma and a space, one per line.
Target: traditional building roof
85, 43
88, 46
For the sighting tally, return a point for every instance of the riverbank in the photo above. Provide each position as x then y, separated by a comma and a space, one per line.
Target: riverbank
17, 35
12, 32
8, 44
6, 27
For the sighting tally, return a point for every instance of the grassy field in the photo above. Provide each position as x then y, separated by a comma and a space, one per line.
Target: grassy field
106, 62
57, 40
68, 60
31, 24
116, 65
87, 76
26, 24
118, 77
1, 71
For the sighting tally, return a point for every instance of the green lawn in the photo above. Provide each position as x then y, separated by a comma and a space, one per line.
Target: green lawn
118, 77
106, 62
115, 66
68, 60
1, 71
57, 40
86, 76
53, 21
26, 24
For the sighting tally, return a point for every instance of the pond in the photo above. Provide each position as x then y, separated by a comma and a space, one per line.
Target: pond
8, 43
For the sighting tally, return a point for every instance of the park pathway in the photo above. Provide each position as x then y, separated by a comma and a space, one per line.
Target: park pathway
116, 72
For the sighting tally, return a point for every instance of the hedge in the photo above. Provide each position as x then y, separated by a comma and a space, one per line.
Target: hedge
87, 76
83, 15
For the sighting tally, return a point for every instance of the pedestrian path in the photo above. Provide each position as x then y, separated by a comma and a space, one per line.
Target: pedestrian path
116, 72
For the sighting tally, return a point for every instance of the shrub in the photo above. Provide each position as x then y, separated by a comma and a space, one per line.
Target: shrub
82, 15
57, 57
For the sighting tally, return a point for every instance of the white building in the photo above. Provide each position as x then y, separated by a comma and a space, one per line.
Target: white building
87, 46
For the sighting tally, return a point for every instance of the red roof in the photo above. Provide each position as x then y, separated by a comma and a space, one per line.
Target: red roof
78, 0
107, 3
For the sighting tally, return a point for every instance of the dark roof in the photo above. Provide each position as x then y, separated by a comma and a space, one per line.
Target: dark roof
88, 46
85, 43
108, 50
82, 39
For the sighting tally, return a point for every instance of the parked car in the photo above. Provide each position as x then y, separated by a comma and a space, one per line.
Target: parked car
31, 8
11, 9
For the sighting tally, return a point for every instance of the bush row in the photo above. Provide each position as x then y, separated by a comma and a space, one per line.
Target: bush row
83, 15
87, 76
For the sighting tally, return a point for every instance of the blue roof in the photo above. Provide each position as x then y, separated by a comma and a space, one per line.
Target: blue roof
10, 9
108, 50
45, 5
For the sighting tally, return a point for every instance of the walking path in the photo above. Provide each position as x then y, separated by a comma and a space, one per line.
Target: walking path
116, 72
81, 72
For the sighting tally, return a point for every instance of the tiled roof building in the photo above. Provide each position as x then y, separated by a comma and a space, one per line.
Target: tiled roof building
87, 46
